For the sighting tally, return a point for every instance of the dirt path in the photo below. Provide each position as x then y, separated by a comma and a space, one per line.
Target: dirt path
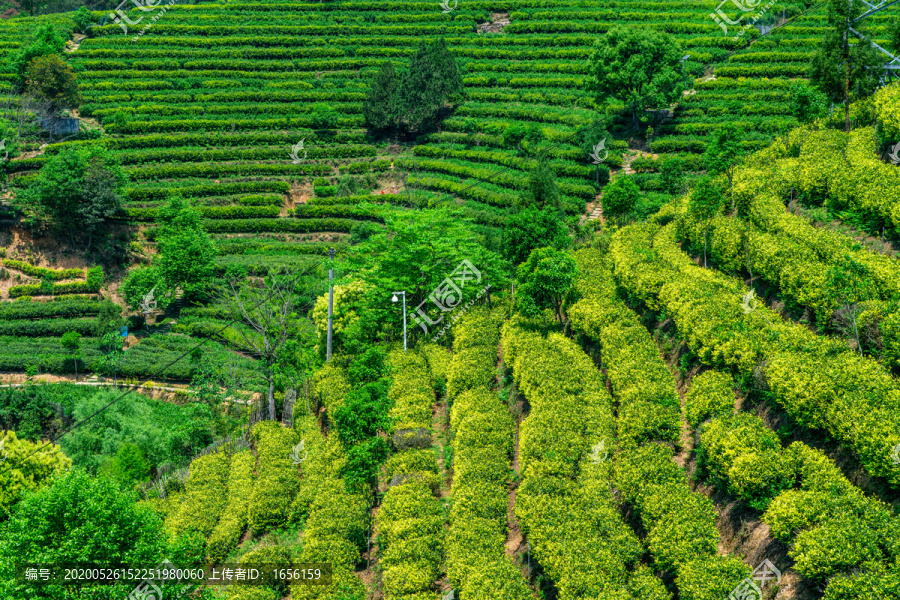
75, 42
515, 540
440, 437
741, 532
594, 209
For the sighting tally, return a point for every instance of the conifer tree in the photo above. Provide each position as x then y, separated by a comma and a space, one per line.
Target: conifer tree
380, 107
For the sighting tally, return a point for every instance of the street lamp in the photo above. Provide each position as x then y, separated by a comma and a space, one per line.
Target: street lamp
394, 299
683, 61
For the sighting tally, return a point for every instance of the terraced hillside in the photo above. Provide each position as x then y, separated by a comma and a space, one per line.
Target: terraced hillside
693, 397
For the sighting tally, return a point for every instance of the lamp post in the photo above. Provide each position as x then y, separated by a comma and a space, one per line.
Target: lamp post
394, 299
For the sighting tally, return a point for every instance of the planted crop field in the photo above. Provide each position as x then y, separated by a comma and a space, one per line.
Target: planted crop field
469, 300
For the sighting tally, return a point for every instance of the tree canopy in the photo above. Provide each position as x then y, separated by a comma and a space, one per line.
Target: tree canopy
46, 40
532, 228
50, 79
185, 259
639, 66
79, 518
77, 192
845, 67
24, 470
546, 281
415, 100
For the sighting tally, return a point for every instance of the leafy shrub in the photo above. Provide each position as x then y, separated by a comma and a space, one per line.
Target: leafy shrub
205, 496
710, 395
277, 480
227, 533
743, 456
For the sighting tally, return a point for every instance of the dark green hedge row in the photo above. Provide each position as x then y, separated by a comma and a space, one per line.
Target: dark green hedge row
280, 225
212, 212
206, 189
47, 327
62, 308
308, 211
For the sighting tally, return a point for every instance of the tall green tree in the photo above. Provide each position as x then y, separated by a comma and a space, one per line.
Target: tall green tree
271, 312
723, 152
639, 66
671, 175
22, 469
46, 40
594, 139
620, 198
542, 191
706, 202
380, 109
80, 518
418, 252
51, 81
77, 192
546, 281
807, 102
845, 67
186, 253
432, 82
71, 341
532, 228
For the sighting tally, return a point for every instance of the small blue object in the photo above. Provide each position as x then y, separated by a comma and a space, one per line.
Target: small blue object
124, 331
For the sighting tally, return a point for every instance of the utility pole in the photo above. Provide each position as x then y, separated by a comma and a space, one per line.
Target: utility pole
330, 300
394, 299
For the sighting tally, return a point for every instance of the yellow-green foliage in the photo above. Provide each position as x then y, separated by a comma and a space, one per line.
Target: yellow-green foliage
819, 381
831, 526
710, 395
474, 353
564, 503
204, 497
649, 407
268, 556
680, 524
410, 391
710, 577
835, 527
410, 538
323, 461
887, 110
335, 520
744, 454
347, 298
252, 592
418, 465
482, 444
781, 247
643, 584
22, 471
330, 385
277, 478
438, 359
410, 523
227, 534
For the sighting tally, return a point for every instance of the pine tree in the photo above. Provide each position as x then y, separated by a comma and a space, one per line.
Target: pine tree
380, 107
433, 81
845, 67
